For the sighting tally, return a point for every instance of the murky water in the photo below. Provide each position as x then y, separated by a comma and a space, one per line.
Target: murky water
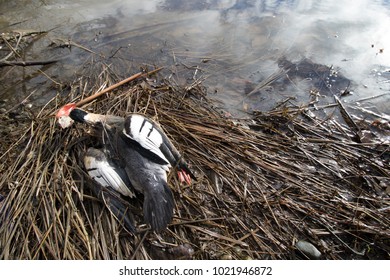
252, 53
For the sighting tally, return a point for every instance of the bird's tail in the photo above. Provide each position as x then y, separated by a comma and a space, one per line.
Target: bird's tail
158, 207
119, 208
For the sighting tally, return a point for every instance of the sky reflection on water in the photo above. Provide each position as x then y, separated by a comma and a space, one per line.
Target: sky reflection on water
235, 44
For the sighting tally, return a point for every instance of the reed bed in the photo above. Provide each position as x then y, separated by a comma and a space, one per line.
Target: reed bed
264, 184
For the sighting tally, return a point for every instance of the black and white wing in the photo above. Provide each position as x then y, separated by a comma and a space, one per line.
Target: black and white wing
111, 182
150, 137
106, 173
154, 142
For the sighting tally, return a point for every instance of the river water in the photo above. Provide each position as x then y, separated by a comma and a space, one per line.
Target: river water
306, 50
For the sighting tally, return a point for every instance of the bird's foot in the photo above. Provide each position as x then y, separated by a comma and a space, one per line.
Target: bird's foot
184, 177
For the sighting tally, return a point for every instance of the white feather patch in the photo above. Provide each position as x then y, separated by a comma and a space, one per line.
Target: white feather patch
65, 121
145, 133
94, 118
105, 175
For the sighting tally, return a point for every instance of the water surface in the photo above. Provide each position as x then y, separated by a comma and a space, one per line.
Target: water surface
308, 50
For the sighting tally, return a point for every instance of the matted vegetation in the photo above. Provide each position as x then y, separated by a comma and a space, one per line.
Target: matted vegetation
263, 183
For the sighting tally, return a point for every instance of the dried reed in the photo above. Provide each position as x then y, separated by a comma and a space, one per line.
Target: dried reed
263, 184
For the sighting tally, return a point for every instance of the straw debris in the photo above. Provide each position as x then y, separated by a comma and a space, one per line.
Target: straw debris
264, 184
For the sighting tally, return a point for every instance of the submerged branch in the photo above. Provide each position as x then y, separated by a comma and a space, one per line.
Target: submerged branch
27, 63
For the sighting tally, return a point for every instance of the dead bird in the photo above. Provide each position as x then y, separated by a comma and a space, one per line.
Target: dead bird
137, 155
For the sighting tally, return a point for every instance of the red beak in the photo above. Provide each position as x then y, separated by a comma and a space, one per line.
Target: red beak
65, 111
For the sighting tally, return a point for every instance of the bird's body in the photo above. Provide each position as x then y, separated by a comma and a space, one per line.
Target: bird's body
136, 156
146, 171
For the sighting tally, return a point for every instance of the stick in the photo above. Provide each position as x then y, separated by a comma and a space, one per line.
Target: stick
129, 79
346, 116
26, 63
268, 81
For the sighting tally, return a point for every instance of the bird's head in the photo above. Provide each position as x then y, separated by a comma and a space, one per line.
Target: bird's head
63, 115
